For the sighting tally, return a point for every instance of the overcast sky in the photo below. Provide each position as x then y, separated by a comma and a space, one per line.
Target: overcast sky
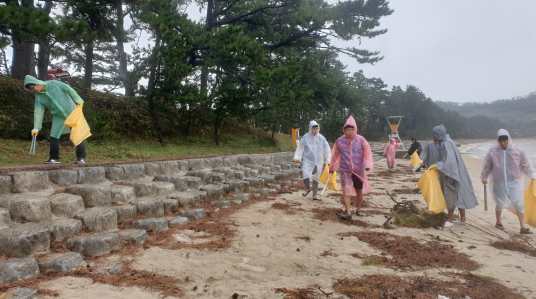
457, 50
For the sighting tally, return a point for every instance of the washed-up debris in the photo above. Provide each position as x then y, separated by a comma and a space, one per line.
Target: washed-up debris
459, 285
408, 254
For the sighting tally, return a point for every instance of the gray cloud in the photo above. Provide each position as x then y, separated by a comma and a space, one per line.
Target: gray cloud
455, 50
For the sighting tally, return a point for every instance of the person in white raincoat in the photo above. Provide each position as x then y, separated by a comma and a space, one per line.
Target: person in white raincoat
505, 163
315, 150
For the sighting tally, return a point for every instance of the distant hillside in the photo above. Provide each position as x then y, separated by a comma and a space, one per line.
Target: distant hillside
519, 108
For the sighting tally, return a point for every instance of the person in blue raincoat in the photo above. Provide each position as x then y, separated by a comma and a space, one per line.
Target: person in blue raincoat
61, 99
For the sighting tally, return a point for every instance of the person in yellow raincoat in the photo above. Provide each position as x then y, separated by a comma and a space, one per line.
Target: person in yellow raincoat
61, 99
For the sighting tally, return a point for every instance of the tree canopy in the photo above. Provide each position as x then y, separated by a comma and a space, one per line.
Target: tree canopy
270, 64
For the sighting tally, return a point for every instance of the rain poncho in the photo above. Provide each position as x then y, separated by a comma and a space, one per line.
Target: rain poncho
60, 98
506, 168
390, 151
315, 151
453, 175
352, 156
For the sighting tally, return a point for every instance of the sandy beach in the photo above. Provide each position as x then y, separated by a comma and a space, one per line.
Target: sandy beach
286, 241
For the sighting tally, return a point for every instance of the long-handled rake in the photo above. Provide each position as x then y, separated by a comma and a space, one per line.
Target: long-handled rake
325, 185
32, 147
485, 198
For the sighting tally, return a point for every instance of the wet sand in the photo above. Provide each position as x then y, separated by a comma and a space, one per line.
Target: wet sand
289, 248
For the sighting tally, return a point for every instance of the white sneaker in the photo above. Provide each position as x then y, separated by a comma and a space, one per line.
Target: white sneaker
456, 221
448, 224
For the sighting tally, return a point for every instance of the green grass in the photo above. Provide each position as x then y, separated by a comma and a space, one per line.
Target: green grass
16, 152
372, 261
418, 218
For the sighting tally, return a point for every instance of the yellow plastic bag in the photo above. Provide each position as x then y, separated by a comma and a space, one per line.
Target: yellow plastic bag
431, 191
79, 128
415, 160
332, 185
530, 204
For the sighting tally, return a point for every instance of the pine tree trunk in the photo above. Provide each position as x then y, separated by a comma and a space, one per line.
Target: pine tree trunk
23, 52
122, 56
88, 71
151, 86
42, 62
43, 56
216, 127
23, 59
204, 69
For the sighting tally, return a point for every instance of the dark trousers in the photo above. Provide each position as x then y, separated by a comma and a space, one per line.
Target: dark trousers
315, 183
55, 149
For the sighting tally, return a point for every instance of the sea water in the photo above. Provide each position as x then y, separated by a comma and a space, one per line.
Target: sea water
479, 151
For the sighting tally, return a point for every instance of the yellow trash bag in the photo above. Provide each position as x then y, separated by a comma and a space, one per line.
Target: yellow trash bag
431, 191
530, 204
415, 160
79, 128
332, 185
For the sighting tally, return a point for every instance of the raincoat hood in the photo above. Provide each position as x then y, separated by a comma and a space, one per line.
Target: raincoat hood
311, 125
503, 132
349, 122
32, 80
440, 133
392, 140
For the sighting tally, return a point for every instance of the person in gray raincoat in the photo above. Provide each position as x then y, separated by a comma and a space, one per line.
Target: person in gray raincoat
453, 175
61, 99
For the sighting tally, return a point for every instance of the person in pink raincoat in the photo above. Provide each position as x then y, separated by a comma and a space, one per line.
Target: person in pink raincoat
504, 166
353, 157
390, 151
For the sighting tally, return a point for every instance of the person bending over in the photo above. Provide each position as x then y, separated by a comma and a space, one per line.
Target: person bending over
61, 99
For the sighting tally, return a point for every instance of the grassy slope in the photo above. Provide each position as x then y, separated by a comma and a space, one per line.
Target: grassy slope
16, 152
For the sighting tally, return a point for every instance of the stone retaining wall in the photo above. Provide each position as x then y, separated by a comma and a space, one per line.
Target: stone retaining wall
39, 206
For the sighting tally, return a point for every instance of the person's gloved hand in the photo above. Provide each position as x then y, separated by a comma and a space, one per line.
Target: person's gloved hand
383, 155
484, 182
81, 104
34, 132
296, 161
